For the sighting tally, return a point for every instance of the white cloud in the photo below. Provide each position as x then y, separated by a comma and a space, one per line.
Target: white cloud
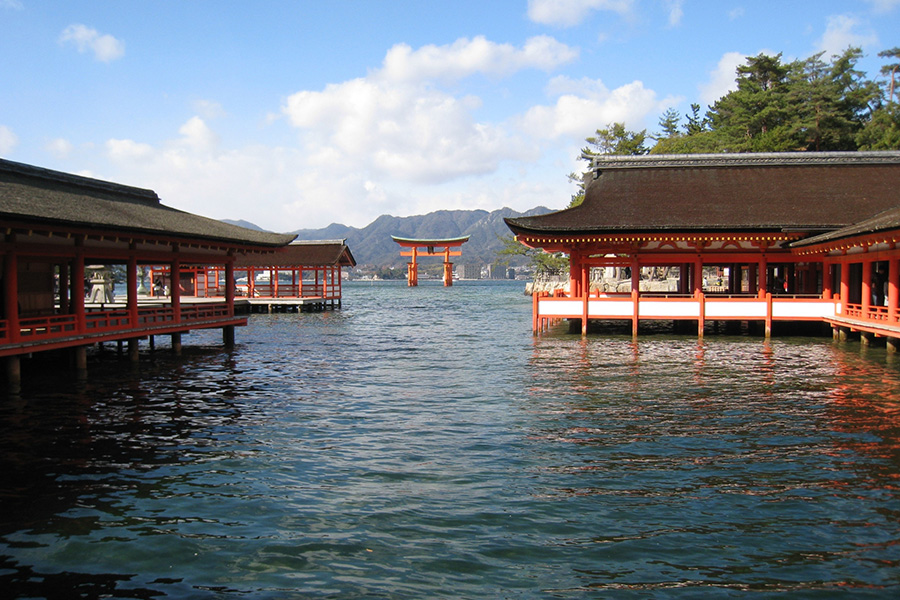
396, 123
722, 79
106, 48
466, 57
567, 13
59, 148
209, 109
127, 150
196, 135
676, 11
736, 13
404, 131
884, 6
585, 105
8, 140
395, 141
16, 4
842, 32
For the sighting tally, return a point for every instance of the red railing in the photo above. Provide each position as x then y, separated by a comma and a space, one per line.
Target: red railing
102, 322
879, 315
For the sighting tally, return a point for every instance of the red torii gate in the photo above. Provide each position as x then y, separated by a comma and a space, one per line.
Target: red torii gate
429, 245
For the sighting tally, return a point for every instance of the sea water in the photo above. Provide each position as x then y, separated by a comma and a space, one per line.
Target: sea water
422, 443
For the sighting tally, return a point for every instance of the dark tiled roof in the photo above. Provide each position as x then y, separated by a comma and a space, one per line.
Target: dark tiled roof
33, 195
743, 192
322, 253
886, 221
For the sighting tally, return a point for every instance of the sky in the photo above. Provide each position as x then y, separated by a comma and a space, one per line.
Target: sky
298, 114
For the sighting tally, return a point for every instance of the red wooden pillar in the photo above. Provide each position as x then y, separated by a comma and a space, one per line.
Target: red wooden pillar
78, 286
866, 287
827, 280
763, 277
64, 287
585, 299
11, 291
412, 273
175, 271
698, 294
131, 300
574, 273
845, 286
893, 290
229, 285
635, 295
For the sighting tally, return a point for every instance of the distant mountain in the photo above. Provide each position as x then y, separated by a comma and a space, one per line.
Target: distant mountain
245, 224
372, 245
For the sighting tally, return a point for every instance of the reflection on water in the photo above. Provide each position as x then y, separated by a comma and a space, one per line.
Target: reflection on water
421, 443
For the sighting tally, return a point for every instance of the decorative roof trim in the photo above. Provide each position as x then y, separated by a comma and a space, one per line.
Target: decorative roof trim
771, 159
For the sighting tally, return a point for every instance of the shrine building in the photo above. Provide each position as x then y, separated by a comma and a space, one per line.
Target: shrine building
302, 276
56, 226
758, 238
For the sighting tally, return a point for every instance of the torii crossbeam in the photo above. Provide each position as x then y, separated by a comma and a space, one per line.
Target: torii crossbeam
430, 248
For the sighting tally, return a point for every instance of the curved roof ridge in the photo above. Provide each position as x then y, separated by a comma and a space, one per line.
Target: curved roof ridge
771, 159
80, 181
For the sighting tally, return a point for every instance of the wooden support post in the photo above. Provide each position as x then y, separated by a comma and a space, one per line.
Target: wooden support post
892, 344
133, 350
228, 336
80, 362
176, 344
768, 315
866, 338
13, 374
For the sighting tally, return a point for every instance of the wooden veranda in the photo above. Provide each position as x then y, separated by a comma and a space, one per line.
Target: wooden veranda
751, 217
56, 225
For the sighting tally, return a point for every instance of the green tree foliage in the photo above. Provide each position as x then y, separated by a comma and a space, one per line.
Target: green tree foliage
542, 262
615, 139
810, 104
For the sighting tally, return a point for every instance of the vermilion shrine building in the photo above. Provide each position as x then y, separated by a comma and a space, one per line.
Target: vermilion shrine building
55, 225
300, 276
797, 236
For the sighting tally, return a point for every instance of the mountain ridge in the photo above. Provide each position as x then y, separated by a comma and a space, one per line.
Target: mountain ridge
372, 245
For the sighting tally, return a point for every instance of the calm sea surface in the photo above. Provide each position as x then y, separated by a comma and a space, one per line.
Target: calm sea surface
420, 443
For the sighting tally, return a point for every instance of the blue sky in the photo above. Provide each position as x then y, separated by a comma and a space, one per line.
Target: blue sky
297, 114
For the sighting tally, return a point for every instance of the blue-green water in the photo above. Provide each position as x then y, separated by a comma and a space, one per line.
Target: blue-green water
421, 443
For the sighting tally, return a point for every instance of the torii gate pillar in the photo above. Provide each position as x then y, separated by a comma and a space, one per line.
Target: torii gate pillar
429, 247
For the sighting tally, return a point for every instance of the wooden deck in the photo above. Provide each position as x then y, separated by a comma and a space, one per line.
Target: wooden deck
701, 308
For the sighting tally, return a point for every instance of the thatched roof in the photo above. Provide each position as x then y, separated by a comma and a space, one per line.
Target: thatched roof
32, 195
809, 192
319, 253
885, 221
